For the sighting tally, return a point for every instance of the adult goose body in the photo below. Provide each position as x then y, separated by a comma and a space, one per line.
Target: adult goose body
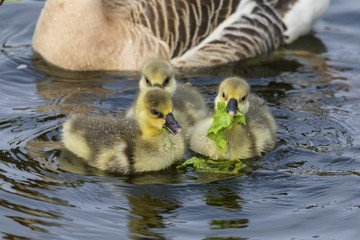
123, 34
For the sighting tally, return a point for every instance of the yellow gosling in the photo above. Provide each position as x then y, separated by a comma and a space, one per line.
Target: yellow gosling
189, 105
243, 141
128, 145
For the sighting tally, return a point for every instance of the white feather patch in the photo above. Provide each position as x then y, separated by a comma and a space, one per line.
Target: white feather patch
301, 17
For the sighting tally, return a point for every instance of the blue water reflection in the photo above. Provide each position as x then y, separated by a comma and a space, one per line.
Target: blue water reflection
307, 187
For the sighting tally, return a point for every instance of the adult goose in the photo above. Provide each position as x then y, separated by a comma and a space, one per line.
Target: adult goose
123, 34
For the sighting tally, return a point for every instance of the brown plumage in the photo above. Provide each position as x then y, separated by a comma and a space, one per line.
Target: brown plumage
123, 34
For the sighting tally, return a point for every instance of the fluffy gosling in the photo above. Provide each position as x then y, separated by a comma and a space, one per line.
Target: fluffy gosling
243, 141
128, 145
189, 105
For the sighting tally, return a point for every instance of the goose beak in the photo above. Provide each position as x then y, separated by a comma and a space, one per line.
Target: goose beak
157, 85
232, 106
172, 125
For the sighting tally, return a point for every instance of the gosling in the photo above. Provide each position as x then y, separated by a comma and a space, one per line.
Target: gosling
189, 105
243, 141
128, 145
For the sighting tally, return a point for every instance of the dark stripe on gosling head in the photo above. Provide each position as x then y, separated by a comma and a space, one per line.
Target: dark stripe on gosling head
155, 98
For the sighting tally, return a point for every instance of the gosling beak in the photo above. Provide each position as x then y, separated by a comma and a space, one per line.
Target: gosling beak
172, 125
232, 106
157, 85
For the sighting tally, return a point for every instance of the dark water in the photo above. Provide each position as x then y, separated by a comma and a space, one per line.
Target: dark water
308, 187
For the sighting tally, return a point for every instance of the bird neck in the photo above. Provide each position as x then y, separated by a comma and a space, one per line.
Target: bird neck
149, 133
148, 130
70, 33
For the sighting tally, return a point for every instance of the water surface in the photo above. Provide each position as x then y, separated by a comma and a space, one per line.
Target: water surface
307, 187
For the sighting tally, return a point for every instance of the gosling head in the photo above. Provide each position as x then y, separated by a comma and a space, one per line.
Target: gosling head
158, 73
234, 92
154, 110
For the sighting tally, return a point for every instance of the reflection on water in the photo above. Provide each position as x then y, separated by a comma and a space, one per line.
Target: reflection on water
146, 215
80, 92
307, 187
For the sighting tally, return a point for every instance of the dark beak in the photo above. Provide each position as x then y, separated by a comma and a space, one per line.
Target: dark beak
232, 106
172, 125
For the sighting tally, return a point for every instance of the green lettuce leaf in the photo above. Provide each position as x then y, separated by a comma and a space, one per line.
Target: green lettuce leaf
211, 166
223, 120
165, 129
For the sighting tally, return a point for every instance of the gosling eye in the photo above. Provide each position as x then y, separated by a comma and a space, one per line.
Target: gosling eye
223, 94
167, 80
243, 98
155, 112
147, 81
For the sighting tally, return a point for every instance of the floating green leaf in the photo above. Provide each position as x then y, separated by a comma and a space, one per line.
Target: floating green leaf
223, 120
211, 166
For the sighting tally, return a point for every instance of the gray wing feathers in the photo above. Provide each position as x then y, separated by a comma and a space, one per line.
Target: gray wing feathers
182, 24
192, 27
250, 35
